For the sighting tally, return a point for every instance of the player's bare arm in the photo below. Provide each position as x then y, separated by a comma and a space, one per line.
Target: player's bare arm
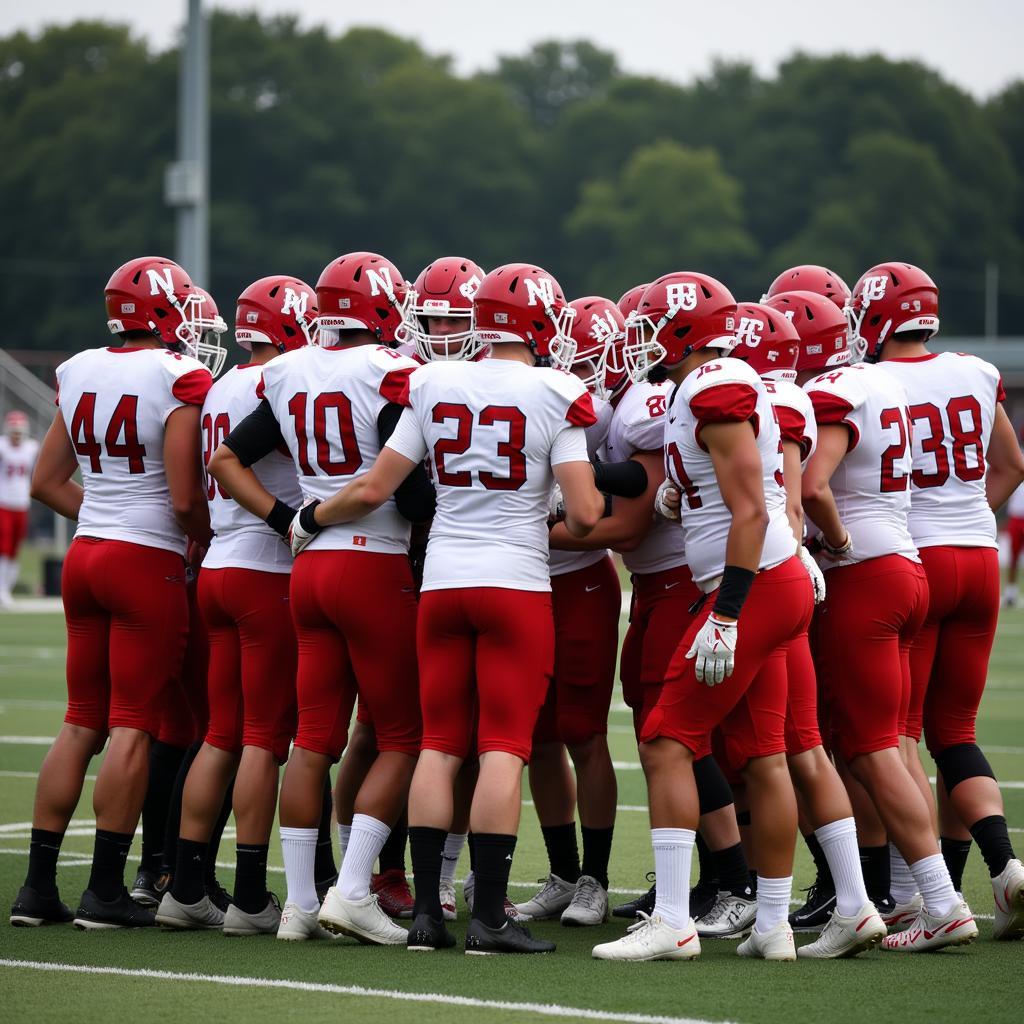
818, 501
51, 478
793, 475
184, 467
583, 502
1005, 461
370, 491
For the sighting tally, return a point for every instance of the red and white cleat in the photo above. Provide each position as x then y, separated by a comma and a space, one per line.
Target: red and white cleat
1008, 890
927, 933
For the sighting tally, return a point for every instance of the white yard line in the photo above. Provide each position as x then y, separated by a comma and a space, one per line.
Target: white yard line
444, 999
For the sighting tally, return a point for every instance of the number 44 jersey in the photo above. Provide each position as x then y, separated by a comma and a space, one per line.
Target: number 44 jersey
492, 431
115, 403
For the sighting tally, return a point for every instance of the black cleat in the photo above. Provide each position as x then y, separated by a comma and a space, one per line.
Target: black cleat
511, 937
427, 934
149, 887
885, 906
641, 905
815, 913
121, 912
219, 896
30, 909
703, 896
322, 887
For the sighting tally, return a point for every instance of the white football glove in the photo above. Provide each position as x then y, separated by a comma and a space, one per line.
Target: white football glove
556, 505
298, 535
714, 647
814, 571
667, 501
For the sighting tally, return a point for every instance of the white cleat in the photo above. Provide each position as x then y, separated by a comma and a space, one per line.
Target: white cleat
361, 919
298, 925
926, 933
449, 908
846, 936
651, 939
776, 944
903, 915
188, 916
553, 898
589, 904
731, 916
266, 922
1008, 890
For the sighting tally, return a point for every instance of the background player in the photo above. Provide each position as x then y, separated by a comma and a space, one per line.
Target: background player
17, 457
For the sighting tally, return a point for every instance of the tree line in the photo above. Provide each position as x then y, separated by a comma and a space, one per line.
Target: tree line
322, 144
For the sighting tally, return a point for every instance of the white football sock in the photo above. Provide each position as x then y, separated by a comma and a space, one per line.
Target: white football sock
838, 840
298, 846
673, 852
364, 844
935, 885
773, 895
902, 887
450, 859
8, 574
344, 831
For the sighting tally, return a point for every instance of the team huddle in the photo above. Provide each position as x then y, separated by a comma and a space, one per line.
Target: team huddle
404, 505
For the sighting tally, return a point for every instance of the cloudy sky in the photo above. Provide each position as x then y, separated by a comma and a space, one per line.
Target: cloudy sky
976, 44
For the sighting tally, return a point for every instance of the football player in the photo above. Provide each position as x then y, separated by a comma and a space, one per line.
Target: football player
1015, 531
966, 464
809, 277
129, 421
17, 457
243, 597
498, 433
856, 489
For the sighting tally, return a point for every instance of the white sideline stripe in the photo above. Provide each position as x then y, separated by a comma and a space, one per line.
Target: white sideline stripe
240, 981
28, 741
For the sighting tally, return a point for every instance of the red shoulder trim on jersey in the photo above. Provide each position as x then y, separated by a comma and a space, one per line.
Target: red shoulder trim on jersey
724, 403
395, 385
56, 396
260, 391
191, 388
792, 425
831, 410
581, 412
1000, 391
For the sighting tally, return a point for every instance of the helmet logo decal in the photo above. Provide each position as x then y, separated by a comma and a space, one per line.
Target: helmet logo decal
253, 317
874, 287
380, 281
681, 296
747, 332
540, 290
602, 326
501, 318
127, 307
160, 281
295, 302
470, 287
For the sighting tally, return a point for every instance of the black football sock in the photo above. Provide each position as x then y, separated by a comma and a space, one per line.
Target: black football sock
707, 874
426, 847
597, 849
392, 853
471, 843
106, 879
250, 895
994, 842
732, 871
823, 877
955, 853
43, 851
210, 863
493, 863
325, 870
563, 853
164, 762
173, 825
874, 861
189, 881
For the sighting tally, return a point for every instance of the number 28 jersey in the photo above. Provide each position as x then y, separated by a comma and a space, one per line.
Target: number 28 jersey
722, 391
115, 403
326, 402
493, 430
871, 485
951, 398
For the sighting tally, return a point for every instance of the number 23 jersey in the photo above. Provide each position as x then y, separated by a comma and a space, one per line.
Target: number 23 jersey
492, 430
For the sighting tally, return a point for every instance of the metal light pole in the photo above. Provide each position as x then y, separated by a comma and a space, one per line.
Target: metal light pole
187, 181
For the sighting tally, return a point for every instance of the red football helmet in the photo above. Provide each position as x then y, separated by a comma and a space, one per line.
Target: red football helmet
521, 302
820, 325
631, 299
767, 340
361, 291
678, 314
599, 332
809, 277
445, 288
278, 311
889, 299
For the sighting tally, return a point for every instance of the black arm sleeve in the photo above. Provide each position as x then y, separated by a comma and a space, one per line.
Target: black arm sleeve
623, 479
256, 436
415, 498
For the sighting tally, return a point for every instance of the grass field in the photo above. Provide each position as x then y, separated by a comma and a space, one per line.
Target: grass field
153, 976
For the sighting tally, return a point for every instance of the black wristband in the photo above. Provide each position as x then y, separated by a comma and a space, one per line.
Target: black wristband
280, 517
736, 583
306, 520
623, 479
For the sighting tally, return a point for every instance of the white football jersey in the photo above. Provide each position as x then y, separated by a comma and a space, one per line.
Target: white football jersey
326, 401
723, 391
493, 429
794, 414
115, 403
16, 462
240, 539
561, 562
951, 398
871, 485
638, 425
1015, 506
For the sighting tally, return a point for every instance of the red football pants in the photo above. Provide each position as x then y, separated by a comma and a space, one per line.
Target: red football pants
13, 527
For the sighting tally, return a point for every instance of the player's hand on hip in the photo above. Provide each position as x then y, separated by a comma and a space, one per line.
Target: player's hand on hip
714, 647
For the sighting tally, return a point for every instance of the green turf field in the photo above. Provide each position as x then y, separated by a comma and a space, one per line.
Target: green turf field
153, 976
